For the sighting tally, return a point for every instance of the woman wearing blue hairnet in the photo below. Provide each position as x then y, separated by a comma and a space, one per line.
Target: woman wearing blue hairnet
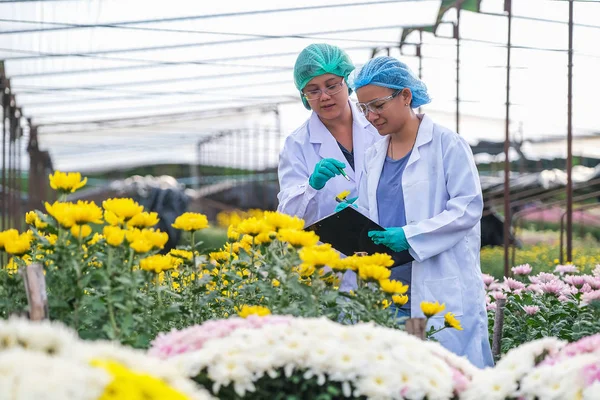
332, 140
422, 185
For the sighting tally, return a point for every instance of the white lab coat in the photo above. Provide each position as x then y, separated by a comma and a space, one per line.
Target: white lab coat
303, 149
443, 205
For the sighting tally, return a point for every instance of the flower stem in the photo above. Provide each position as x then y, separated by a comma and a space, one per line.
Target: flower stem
436, 331
111, 311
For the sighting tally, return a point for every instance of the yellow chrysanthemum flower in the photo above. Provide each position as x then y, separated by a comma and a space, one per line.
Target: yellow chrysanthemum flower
221, 256
331, 279
186, 255
190, 221
298, 238
60, 212
354, 262
275, 283
68, 182
114, 235
246, 243
141, 245
264, 238
143, 220
246, 310
51, 238
283, 221
31, 218
127, 384
319, 255
232, 234
235, 247
84, 212
385, 260
112, 219
95, 239
256, 213
19, 245
82, 231
430, 309
450, 321
95, 263
348, 263
305, 270
8, 236
253, 227
229, 218
123, 208
394, 287
12, 267
372, 273
80, 213
159, 263
385, 303
156, 237
400, 299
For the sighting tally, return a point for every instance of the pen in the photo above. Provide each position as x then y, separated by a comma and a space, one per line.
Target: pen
344, 174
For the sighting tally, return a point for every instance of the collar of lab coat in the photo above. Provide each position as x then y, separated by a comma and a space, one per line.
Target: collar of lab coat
424, 136
319, 134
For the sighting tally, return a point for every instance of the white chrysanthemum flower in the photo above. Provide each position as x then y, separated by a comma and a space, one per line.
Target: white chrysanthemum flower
42, 336
229, 371
363, 357
563, 380
592, 392
491, 384
378, 384
31, 375
519, 361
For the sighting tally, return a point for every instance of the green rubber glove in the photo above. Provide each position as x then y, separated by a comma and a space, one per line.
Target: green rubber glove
325, 169
394, 238
344, 204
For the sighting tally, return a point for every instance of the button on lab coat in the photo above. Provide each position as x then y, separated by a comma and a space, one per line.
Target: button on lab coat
303, 149
443, 204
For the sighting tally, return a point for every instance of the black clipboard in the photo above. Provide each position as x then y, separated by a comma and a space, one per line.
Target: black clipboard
347, 231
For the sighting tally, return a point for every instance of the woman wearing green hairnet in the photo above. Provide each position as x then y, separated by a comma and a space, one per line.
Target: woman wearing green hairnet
324, 156
421, 184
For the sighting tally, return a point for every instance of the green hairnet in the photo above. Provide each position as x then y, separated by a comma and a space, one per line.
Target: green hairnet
319, 59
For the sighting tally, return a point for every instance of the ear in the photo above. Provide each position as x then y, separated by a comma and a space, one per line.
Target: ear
407, 95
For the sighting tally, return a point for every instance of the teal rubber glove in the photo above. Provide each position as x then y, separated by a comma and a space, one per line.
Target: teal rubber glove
325, 169
344, 204
394, 238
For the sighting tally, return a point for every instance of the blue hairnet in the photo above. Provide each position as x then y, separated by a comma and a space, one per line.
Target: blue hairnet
319, 59
394, 74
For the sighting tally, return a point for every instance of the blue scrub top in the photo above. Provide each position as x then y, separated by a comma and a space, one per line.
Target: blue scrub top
348, 154
390, 203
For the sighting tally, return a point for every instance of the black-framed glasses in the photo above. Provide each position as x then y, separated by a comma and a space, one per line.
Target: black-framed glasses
329, 90
377, 106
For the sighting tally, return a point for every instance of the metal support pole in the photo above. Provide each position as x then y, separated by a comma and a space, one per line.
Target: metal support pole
5, 108
33, 184
507, 211
18, 173
12, 130
457, 36
570, 140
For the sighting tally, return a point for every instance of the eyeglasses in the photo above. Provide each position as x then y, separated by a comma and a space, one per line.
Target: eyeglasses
329, 91
376, 106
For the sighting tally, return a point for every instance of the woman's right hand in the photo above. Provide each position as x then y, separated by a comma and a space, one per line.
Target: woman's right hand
325, 169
